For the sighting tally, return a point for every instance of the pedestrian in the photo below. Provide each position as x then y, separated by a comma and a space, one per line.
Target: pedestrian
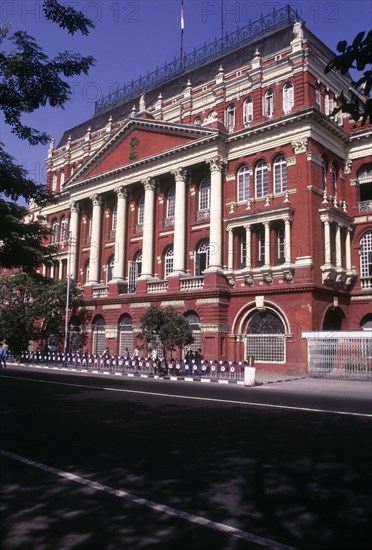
2, 356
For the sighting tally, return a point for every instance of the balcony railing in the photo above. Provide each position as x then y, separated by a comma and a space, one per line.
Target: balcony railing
230, 42
365, 282
158, 286
100, 292
192, 284
365, 206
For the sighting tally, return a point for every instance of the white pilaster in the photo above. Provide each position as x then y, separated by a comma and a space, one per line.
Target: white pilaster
327, 242
338, 246
348, 248
287, 240
230, 250
248, 240
267, 244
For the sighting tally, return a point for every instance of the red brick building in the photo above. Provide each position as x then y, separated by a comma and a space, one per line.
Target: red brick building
221, 186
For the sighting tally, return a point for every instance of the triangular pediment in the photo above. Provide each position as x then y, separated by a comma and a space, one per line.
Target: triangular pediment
139, 141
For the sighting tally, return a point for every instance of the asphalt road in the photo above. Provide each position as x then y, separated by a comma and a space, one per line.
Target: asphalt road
106, 463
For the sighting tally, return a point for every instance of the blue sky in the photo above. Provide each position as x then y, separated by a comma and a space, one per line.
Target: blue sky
132, 37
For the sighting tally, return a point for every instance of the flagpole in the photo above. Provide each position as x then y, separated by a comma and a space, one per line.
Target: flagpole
182, 27
222, 19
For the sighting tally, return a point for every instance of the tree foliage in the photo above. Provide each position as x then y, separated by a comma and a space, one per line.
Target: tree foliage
33, 308
166, 328
30, 80
357, 56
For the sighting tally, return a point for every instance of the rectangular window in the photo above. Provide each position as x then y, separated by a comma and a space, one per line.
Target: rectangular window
281, 245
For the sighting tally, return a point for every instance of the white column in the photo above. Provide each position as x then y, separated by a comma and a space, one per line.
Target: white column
120, 234
287, 241
348, 248
327, 242
338, 246
248, 240
179, 249
73, 238
215, 233
148, 229
230, 250
95, 244
267, 244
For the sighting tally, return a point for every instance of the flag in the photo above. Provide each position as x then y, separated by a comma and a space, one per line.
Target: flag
182, 19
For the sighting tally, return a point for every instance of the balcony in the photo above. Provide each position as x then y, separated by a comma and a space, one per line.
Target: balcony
366, 283
193, 283
158, 286
100, 292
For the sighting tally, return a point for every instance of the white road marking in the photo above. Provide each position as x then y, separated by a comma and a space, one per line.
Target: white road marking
195, 398
186, 516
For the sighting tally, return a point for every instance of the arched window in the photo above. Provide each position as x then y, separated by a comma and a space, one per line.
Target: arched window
280, 174
243, 178
202, 258
247, 111
268, 106
194, 323
205, 194
262, 179
54, 182
55, 230
110, 269
99, 335
62, 179
171, 202
168, 261
126, 334
366, 260
366, 323
288, 97
365, 188
230, 117
265, 338
197, 121
141, 210
134, 271
63, 233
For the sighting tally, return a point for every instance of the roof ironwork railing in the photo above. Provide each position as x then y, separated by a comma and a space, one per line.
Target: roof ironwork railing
220, 46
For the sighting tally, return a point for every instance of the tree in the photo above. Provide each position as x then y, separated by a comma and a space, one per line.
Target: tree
32, 307
167, 328
357, 56
29, 80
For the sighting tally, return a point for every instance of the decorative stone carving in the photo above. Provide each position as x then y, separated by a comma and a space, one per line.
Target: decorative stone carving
217, 164
300, 146
149, 184
179, 174
122, 192
96, 200
248, 279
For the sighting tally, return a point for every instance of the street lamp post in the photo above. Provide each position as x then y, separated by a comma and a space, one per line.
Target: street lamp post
69, 244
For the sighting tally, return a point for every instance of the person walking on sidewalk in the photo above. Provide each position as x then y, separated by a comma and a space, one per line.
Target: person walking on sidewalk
2, 356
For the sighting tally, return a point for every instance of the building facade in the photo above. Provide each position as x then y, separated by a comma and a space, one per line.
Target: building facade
225, 188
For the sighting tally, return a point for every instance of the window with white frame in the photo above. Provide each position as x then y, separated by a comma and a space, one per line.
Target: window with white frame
268, 106
248, 111
366, 255
197, 121
194, 323
261, 247
54, 182
168, 261
265, 338
110, 269
243, 183
333, 171
205, 194
202, 258
288, 97
280, 245
134, 271
55, 229
114, 218
62, 179
230, 117
317, 97
262, 179
86, 272
63, 234
171, 202
324, 174
141, 210
365, 186
280, 174
243, 249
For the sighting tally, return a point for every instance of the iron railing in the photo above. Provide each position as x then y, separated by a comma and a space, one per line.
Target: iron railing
199, 56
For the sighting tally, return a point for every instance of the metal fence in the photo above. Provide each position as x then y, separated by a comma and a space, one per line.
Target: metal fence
224, 370
340, 355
